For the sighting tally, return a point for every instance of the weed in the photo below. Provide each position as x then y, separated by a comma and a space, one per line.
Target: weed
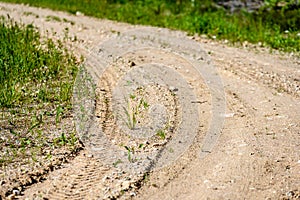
132, 96
160, 133
133, 110
128, 83
146, 177
63, 140
117, 162
53, 18
171, 150
130, 115
68, 21
130, 151
145, 104
30, 13
59, 111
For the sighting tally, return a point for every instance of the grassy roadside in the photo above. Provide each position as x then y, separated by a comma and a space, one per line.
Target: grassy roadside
36, 86
276, 28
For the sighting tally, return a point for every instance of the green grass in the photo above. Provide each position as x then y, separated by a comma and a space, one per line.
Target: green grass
32, 70
36, 87
133, 110
266, 27
160, 133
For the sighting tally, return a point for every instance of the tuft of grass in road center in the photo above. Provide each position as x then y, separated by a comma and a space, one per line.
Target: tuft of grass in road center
36, 87
273, 27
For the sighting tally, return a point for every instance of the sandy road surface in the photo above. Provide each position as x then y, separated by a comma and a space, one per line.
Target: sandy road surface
257, 154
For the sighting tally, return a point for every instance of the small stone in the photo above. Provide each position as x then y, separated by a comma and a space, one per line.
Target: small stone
245, 44
173, 89
90, 156
133, 194
290, 193
260, 44
156, 144
16, 192
105, 178
132, 64
125, 185
78, 13
228, 115
12, 196
2, 182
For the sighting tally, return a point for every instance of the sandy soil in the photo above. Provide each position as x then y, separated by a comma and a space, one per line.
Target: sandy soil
256, 154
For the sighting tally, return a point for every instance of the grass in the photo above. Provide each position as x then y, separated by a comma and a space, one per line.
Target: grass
268, 27
133, 111
31, 70
36, 87
160, 133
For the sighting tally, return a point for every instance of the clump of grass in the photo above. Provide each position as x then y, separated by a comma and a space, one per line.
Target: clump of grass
161, 133
32, 70
53, 18
133, 111
36, 84
30, 13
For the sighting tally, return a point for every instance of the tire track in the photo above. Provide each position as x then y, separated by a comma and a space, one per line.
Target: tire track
151, 57
278, 71
246, 162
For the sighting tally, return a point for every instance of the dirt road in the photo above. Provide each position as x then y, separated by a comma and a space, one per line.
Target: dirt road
255, 154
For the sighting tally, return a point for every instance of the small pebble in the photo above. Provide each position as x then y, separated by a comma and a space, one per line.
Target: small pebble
90, 156
78, 13
16, 192
173, 89
290, 194
12, 196
125, 185
227, 115
132, 194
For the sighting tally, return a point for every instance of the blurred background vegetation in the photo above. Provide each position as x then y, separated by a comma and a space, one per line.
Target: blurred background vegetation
273, 23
